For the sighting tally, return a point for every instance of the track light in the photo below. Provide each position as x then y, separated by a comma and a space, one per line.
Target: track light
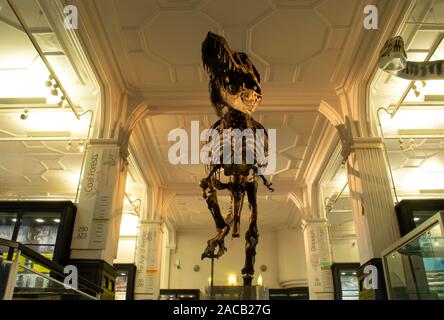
24, 115
55, 92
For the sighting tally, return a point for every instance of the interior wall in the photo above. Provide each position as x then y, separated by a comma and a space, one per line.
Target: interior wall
126, 250
190, 245
344, 251
291, 254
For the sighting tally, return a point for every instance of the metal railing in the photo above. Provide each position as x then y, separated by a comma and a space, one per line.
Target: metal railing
19, 278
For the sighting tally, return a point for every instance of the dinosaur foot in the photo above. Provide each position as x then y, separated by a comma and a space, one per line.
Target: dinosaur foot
210, 250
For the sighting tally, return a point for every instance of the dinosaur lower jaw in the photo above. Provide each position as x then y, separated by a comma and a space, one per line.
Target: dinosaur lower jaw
246, 101
393, 63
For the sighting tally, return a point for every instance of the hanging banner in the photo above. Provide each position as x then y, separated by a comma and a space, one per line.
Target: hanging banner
95, 202
320, 257
147, 261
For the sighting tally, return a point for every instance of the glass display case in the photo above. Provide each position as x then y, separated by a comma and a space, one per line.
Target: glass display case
236, 293
414, 265
345, 281
296, 293
44, 226
411, 213
126, 275
180, 294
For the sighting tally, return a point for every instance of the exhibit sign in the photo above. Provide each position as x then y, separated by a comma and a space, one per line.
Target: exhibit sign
320, 261
94, 211
148, 257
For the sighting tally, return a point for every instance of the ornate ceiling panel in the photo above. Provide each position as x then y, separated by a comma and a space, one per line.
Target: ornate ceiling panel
39, 167
289, 41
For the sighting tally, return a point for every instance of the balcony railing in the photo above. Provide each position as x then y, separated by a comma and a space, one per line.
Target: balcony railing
27, 275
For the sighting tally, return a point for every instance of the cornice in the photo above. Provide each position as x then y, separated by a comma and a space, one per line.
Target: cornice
93, 34
139, 150
333, 164
364, 62
327, 142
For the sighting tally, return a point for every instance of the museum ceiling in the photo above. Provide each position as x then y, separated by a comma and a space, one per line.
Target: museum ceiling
299, 48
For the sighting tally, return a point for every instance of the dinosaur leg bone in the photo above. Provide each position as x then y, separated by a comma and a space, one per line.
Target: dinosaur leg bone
251, 236
221, 226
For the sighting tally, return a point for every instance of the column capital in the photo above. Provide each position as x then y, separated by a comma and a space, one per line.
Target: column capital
312, 223
104, 142
151, 222
352, 144
367, 143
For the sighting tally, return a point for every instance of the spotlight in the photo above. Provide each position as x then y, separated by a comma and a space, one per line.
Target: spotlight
24, 115
81, 147
232, 279
55, 92
48, 83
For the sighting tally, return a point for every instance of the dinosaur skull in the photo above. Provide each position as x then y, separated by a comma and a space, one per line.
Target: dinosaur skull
234, 81
393, 57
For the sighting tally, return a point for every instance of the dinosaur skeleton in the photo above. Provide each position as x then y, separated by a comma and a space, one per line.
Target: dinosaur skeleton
235, 94
393, 60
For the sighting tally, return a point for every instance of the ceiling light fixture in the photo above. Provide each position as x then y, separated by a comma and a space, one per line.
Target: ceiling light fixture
39, 220
56, 220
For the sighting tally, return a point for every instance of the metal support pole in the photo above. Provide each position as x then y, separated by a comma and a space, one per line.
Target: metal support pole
42, 56
212, 279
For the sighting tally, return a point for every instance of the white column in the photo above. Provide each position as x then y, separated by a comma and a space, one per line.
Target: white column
148, 256
168, 247
373, 205
99, 208
318, 258
292, 267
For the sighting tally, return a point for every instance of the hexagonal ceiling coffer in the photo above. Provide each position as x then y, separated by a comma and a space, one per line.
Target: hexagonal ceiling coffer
182, 30
236, 13
291, 43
